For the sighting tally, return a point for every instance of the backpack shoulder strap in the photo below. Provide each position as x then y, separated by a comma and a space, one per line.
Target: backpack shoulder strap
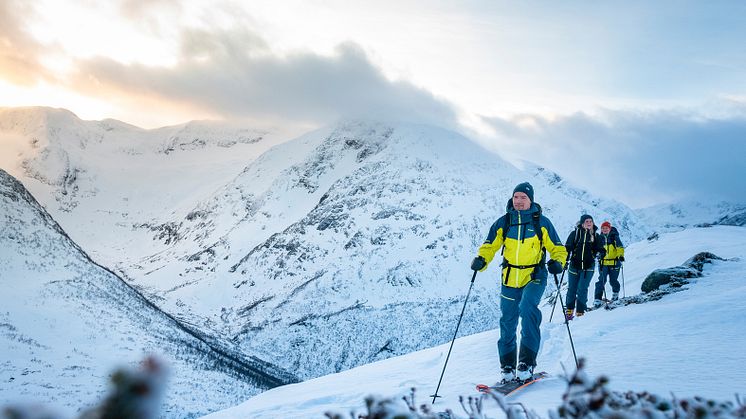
576, 230
614, 236
536, 218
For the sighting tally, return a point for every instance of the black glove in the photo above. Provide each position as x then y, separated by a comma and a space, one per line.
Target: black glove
621, 258
554, 267
478, 263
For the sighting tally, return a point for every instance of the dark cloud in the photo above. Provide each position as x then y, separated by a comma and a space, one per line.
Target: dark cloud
234, 73
19, 52
640, 158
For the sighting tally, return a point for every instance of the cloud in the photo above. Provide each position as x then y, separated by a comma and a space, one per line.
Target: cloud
641, 158
234, 73
19, 52
139, 9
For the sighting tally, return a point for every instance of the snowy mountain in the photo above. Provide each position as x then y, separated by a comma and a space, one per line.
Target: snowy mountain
345, 246
66, 321
681, 215
349, 245
94, 174
686, 344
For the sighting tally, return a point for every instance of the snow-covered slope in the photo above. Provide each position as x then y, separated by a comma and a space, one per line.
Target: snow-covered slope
66, 322
350, 244
688, 343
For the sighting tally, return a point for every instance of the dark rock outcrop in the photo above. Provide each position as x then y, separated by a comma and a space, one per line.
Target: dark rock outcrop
678, 275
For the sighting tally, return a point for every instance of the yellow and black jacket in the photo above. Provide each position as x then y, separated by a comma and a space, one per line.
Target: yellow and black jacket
614, 248
584, 247
523, 257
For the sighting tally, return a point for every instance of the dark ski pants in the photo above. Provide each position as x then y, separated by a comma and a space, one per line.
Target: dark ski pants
578, 281
523, 303
612, 272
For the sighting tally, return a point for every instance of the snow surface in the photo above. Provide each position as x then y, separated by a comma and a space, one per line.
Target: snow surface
688, 343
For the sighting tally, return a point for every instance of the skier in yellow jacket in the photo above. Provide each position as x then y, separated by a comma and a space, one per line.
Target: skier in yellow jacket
524, 235
610, 264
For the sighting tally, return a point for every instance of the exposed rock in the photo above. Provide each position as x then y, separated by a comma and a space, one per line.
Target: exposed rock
679, 275
737, 219
675, 277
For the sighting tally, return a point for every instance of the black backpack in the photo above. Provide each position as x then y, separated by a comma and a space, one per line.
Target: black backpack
613, 237
572, 251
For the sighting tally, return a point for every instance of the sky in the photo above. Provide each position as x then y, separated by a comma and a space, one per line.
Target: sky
615, 96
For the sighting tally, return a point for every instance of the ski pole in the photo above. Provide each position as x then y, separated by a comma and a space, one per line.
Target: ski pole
567, 324
435, 396
624, 293
562, 278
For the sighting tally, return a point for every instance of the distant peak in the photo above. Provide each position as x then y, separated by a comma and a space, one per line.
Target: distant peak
39, 111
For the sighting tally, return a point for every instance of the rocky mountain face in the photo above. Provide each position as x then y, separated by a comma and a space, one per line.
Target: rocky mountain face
351, 244
66, 322
347, 245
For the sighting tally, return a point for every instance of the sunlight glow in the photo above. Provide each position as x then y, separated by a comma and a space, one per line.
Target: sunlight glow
98, 30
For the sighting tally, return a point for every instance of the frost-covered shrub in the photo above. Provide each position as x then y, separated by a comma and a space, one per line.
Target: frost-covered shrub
135, 394
584, 398
406, 408
590, 399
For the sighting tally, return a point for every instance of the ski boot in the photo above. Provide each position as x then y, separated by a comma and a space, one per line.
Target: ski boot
568, 314
507, 374
525, 372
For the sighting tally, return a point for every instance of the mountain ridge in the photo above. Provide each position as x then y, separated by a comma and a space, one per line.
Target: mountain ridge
59, 298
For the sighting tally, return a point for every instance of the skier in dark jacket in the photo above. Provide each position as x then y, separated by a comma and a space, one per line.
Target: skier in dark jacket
584, 245
610, 264
523, 234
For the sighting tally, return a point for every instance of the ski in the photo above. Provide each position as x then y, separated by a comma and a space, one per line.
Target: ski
512, 386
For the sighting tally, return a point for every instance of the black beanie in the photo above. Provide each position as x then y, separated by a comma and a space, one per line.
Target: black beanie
526, 188
585, 217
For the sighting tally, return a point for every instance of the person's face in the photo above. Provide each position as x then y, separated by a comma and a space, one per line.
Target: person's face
521, 201
605, 229
588, 224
